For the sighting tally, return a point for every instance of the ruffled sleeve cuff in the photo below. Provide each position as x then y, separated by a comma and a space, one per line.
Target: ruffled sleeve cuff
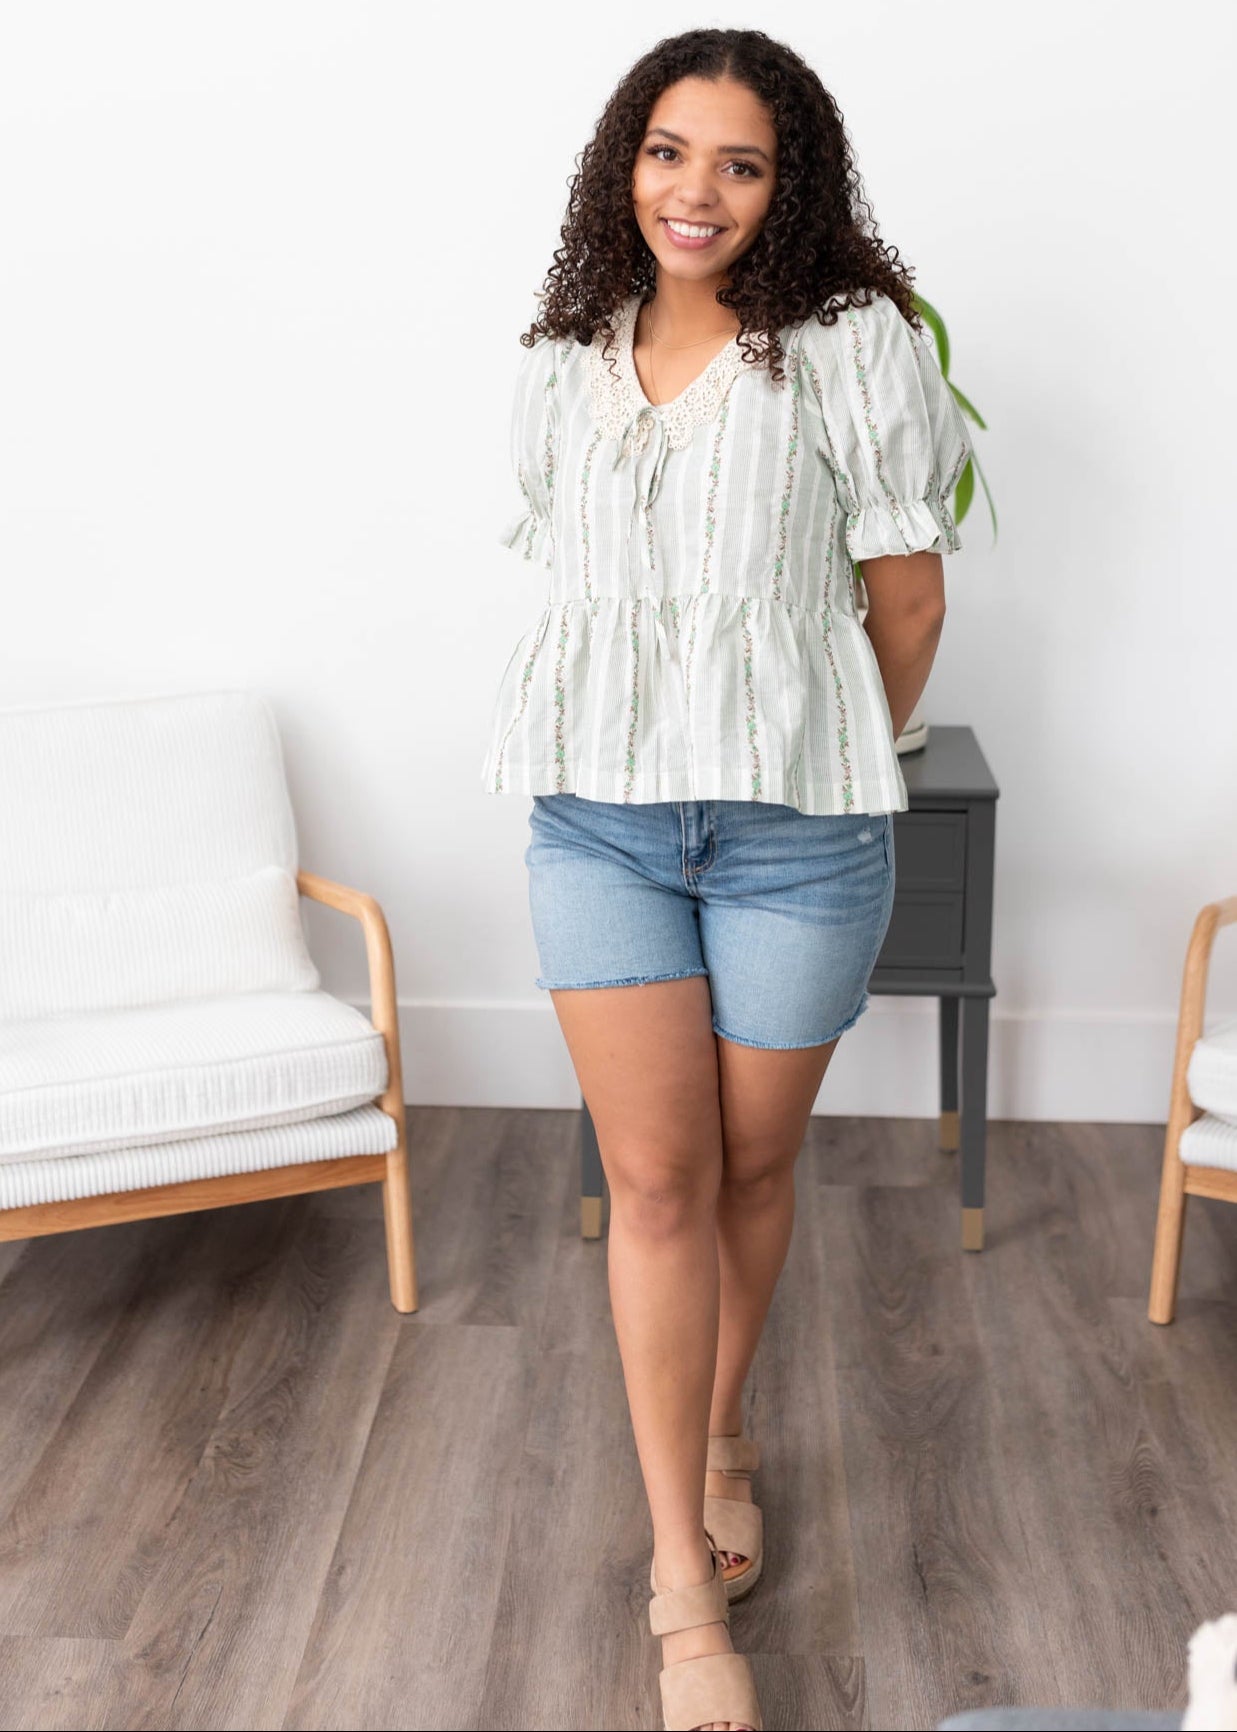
528, 534
901, 526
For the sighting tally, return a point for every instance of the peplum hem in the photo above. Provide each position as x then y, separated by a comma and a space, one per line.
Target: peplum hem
700, 696
815, 798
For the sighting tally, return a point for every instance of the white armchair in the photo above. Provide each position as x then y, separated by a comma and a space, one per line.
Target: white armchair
165, 1044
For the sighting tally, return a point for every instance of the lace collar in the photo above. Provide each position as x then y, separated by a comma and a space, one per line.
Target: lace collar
620, 406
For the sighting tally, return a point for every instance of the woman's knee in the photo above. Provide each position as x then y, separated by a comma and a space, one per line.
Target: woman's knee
660, 1195
757, 1177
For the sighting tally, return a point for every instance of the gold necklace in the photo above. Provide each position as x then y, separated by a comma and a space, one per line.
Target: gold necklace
653, 337
665, 345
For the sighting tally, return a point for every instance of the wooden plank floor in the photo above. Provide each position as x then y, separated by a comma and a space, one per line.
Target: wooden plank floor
238, 1490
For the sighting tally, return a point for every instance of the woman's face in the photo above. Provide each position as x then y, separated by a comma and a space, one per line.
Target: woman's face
708, 161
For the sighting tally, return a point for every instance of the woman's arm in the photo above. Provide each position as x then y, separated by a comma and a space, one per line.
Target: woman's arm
906, 612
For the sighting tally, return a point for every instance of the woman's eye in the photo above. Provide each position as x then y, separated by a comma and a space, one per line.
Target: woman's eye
750, 171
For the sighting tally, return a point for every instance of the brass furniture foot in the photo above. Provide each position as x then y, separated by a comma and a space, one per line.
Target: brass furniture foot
973, 1229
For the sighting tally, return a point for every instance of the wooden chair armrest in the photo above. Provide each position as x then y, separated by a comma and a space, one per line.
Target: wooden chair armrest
1207, 923
384, 1012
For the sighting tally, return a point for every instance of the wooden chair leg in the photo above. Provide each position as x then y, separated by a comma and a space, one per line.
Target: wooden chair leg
397, 1211
1169, 1232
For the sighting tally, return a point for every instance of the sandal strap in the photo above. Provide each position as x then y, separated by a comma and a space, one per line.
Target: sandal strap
733, 1455
653, 1588
687, 1608
735, 1526
713, 1687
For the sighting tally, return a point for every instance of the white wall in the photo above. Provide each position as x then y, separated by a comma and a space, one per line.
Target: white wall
265, 266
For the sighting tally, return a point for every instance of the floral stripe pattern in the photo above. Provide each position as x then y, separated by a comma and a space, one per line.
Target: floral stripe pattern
826, 625
547, 459
525, 681
792, 446
837, 468
710, 504
710, 530
750, 696
633, 712
585, 553
925, 360
547, 456
560, 703
848, 790
874, 439
530, 533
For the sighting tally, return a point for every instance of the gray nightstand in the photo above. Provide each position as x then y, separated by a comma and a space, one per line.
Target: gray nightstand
939, 943
940, 935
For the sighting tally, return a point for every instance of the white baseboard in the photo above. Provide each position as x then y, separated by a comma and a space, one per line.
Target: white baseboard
1102, 1068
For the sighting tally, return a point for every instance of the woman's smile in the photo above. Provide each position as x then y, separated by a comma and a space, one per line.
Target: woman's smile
692, 235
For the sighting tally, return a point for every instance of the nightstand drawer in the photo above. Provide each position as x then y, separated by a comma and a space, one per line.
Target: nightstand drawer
925, 930
930, 850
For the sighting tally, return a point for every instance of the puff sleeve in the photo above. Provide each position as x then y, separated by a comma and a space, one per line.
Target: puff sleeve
889, 430
533, 443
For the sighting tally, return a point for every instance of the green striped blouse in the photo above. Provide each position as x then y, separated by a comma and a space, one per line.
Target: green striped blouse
699, 639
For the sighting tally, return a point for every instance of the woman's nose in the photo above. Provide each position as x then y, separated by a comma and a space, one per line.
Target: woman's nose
696, 189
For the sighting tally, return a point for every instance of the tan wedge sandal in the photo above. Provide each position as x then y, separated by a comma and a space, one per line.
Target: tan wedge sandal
714, 1686
735, 1524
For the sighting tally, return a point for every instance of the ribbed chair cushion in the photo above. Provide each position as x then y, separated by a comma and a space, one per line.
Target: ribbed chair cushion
147, 853
75, 1085
103, 950
363, 1131
1211, 1077
1209, 1142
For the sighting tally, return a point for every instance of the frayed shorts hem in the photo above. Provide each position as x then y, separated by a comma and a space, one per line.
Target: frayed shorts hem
795, 1045
634, 980
736, 1039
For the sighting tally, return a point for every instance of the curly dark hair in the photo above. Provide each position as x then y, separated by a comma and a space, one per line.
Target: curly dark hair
818, 251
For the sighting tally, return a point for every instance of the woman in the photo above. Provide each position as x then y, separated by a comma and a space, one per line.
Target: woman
727, 400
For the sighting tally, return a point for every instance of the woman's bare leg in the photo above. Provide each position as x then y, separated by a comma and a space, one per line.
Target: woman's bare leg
766, 1099
646, 1060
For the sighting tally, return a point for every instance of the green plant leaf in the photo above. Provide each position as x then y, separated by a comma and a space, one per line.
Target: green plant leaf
966, 406
964, 492
984, 484
936, 325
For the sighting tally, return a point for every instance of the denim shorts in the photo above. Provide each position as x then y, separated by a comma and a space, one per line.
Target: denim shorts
784, 911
